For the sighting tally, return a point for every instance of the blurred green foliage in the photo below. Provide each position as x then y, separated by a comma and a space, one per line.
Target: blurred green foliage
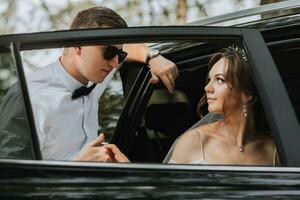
110, 107
7, 75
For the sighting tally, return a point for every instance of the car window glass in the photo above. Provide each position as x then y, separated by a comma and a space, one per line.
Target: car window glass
110, 106
15, 138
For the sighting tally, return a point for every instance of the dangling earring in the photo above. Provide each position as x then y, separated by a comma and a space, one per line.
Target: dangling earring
245, 110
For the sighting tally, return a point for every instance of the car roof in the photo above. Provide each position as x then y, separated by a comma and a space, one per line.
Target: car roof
284, 23
230, 18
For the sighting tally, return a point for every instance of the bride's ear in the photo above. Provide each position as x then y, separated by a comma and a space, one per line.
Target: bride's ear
247, 99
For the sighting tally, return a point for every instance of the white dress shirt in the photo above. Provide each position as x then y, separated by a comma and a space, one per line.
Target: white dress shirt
64, 125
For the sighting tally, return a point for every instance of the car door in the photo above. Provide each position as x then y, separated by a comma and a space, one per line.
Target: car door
35, 178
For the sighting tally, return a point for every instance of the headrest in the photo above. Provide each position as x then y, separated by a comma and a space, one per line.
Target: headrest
169, 114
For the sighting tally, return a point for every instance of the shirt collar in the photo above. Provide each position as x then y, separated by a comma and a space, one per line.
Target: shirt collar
69, 81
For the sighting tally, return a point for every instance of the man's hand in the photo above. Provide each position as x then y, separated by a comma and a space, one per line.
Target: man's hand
161, 68
93, 152
164, 69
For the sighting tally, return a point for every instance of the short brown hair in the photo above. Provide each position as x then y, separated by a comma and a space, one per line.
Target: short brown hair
97, 17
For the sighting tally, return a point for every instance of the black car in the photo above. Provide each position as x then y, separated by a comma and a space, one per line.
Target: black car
151, 118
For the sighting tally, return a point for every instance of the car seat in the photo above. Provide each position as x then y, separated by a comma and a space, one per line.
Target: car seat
167, 116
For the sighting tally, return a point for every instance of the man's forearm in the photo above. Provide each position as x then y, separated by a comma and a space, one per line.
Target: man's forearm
136, 52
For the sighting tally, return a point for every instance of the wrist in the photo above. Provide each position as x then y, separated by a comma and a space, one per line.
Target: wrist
152, 53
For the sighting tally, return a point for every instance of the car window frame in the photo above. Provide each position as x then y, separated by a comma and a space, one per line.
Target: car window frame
251, 39
281, 119
33, 141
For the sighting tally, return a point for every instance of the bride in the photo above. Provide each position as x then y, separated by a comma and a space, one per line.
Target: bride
233, 139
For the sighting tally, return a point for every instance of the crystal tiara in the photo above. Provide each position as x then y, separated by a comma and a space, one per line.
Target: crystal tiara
239, 51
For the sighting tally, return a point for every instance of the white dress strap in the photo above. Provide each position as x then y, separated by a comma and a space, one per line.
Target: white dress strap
275, 155
201, 145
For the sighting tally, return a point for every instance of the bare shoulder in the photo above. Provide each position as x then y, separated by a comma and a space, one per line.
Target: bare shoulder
266, 144
188, 146
188, 139
267, 140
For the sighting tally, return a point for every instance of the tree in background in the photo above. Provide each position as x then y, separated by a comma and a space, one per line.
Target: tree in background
46, 15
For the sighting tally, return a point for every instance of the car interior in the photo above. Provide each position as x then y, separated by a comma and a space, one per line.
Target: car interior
167, 116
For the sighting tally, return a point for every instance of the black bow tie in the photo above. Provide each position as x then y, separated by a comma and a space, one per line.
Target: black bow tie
83, 91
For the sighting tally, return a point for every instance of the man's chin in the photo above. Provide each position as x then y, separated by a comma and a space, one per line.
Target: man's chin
98, 80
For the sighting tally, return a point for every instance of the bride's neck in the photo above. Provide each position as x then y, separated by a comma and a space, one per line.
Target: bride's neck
238, 128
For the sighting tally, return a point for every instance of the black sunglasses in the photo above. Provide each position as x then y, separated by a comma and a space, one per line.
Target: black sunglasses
110, 52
